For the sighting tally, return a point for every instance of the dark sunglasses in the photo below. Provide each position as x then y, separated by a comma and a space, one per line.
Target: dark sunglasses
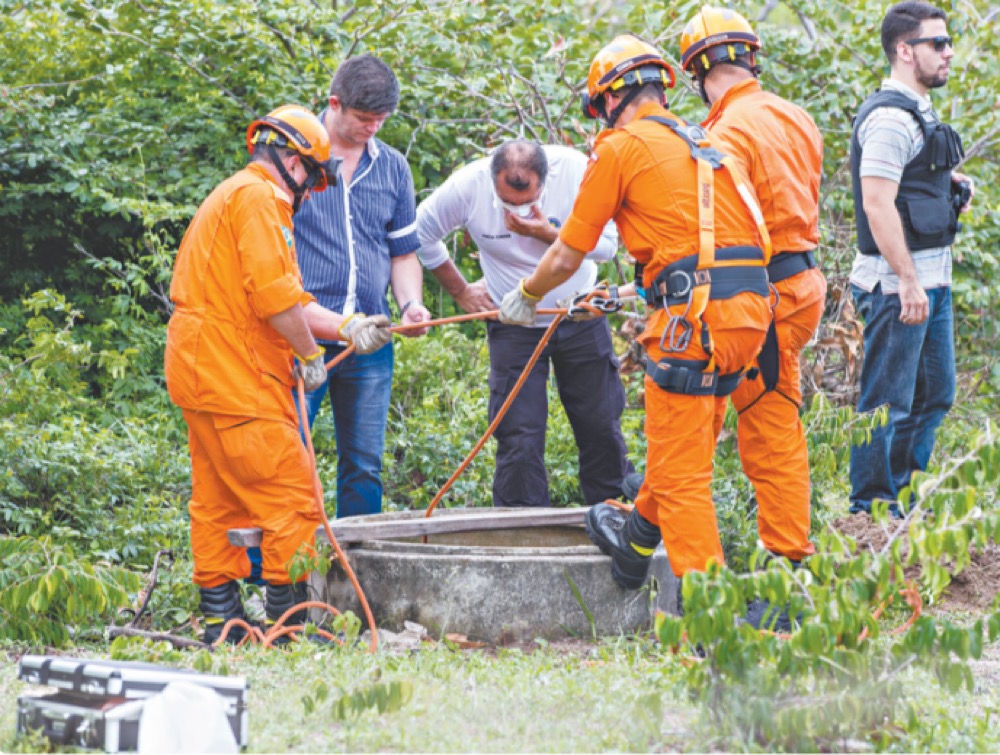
939, 42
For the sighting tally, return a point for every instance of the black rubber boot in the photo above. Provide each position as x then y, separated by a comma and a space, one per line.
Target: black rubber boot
631, 485
278, 599
630, 541
219, 605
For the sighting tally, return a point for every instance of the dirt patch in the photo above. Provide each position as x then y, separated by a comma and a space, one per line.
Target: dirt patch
977, 586
973, 590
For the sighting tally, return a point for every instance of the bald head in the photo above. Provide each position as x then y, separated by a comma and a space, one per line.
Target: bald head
519, 164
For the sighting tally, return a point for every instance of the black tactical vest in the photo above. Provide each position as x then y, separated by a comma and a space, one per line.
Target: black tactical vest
924, 198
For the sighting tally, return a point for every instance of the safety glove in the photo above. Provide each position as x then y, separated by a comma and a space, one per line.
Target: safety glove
595, 301
368, 334
518, 306
312, 370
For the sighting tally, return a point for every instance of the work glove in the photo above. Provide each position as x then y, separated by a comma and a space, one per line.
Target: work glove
602, 298
368, 334
518, 307
312, 370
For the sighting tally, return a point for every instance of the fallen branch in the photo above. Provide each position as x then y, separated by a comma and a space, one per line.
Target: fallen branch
178, 642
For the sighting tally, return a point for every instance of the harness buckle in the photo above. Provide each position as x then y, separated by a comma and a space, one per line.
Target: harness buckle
687, 283
693, 131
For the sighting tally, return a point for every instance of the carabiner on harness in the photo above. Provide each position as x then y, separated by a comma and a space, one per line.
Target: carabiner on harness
600, 300
678, 331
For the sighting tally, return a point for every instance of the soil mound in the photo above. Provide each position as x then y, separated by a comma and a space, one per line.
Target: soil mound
973, 590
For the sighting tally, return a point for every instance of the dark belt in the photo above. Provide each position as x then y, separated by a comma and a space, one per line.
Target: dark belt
690, 378
787, 264
674, 283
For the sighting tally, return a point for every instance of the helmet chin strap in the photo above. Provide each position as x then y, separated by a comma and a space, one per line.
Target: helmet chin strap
627, 98
298, 190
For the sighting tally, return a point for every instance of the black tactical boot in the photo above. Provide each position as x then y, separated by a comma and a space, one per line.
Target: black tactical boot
278, 599
630, 541
219, 605
631, 485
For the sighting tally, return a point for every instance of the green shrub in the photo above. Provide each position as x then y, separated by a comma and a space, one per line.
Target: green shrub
50, 596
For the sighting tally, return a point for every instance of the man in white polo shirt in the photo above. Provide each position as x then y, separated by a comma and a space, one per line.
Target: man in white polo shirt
512, 205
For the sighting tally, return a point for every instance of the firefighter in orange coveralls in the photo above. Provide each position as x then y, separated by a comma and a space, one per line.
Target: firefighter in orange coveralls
780, 149
778, 146
241, 315
685, 213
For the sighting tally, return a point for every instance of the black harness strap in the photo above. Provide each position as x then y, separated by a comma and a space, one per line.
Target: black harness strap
787, 264
691, 377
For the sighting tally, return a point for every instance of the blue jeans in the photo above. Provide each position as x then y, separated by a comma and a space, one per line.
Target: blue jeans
359, 389
912, 369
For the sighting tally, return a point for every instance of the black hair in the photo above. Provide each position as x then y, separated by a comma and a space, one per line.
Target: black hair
367, 84
518, 158
651, 90
902, 21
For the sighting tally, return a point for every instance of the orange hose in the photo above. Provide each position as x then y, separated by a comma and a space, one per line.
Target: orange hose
500, 414
318, 488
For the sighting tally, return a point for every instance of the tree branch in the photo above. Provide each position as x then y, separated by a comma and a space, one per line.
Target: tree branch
46, 84
178, 642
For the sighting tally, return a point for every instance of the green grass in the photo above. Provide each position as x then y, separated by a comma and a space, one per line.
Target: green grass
614, 695
609, 696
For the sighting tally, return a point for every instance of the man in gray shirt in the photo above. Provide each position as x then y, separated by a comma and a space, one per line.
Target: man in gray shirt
905, 189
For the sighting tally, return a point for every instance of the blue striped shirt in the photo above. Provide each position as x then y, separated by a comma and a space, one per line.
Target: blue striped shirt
346, 236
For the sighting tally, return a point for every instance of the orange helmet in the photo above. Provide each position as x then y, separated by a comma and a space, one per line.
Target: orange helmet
716, 35
298, 129
626, 62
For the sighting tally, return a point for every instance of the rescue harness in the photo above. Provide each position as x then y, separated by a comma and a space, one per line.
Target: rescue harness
710, 274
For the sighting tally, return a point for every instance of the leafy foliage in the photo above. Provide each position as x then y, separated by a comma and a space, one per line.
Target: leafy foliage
111, 135
838, 675
48, 594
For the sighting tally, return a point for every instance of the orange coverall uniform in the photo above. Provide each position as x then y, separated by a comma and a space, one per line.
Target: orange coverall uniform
780, 149
644, 177
230, 372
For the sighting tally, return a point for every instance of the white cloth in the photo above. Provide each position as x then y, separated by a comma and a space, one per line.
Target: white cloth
466, 200
185, 718
890, 138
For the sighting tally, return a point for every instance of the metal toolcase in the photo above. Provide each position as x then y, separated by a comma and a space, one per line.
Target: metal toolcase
110, 724
97, 695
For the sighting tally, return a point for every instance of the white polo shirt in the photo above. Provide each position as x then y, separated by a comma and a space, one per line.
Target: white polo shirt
465, 200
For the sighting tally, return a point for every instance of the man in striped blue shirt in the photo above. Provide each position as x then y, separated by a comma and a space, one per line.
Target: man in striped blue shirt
354, 245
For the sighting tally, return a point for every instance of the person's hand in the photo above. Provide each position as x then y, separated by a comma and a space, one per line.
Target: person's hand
535, 225
312, 370
518, 307
368, 334
414, 313
475, 298
962, 178
913, 300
